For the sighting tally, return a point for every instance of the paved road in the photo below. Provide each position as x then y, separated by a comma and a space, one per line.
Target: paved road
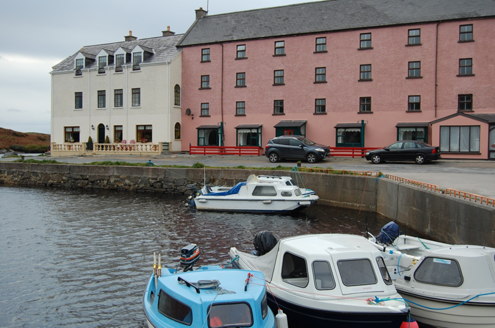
476, 177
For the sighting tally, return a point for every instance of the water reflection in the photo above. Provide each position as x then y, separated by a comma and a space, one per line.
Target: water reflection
81, 258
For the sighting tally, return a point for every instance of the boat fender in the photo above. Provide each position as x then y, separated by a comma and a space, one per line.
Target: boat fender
409, 323
281, 320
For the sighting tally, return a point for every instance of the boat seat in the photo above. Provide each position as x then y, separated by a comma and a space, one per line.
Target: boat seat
407, 247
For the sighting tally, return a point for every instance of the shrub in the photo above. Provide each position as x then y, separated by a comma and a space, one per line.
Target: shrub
107, 139
90, 140
17, 147
198, 165
35, 148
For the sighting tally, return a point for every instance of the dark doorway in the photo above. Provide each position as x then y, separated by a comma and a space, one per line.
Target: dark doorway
101, 133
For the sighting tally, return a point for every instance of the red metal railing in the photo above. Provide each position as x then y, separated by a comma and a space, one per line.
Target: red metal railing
350, 151
469, 196
224, 150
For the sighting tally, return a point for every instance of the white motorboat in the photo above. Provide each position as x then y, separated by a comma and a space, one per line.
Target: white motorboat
262, 194
326, 280
449, 286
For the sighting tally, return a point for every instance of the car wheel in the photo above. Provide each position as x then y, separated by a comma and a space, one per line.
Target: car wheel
273, 157
376, 159
311, 158
420, 159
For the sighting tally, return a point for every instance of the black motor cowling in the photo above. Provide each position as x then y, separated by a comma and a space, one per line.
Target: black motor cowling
264, 241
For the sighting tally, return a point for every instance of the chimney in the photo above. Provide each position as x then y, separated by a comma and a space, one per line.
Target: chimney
168, 32
130, 37
200, 13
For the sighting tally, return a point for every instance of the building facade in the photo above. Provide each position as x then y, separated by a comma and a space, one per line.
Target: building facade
358, 73
125, 92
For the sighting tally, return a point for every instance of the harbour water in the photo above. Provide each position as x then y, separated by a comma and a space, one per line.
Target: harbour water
75, 258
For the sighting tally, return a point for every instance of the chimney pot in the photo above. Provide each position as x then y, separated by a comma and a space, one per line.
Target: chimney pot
200, 13
130, 37
167, 32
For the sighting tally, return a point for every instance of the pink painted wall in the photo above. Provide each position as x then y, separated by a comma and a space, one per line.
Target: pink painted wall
389, 88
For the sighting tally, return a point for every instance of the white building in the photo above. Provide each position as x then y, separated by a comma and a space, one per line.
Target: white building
128, 91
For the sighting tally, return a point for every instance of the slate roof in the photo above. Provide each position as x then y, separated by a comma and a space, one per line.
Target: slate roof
288, 123
164, 51
486, 118
333, 15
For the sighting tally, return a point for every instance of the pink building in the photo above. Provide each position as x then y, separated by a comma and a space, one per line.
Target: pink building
360, 73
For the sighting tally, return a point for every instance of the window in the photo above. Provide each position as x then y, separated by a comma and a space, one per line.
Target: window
412, 133
241, 51
321, 44
461, 139
72, 134
286, 193
383, 268
365, 104
365, 72
414, 104
177, 131
230, 315
321, 74
466, 33
414, 37
137, 59
144, 133
208, 137
365, 41
320, 106
240, 80
323, 275
465, 102
205, 55
79, 66
118, 133
240, 108
102, 98
118, 98
279, 48
348, 137
119, 62
466, 66
174, 309
294, 270
264, 191
136, 97
278, 77
414, 69
356, 272
79, 100
102, 62
278, 107
439, 271
177, 95
205, 109
249, 136
205, 81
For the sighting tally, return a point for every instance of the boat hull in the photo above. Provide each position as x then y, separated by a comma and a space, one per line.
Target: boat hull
300, 316
252, 206
467, 315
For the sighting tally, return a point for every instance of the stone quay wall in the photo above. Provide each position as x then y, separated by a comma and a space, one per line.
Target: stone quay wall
443, 218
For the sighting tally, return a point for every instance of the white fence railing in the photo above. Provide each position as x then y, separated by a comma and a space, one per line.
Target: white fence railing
105, 148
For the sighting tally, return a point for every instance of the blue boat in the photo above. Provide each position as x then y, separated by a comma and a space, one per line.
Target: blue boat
209, 296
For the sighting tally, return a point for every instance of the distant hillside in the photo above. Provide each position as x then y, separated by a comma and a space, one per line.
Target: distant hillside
24, 142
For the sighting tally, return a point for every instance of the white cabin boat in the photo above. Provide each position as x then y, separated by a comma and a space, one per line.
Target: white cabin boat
328, 280
262, 194
449, 286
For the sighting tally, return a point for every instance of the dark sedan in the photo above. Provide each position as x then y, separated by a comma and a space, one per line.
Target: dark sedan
405, 150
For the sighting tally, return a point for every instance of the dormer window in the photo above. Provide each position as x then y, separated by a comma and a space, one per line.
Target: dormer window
137, 59
79, 66
102, 62
119, 62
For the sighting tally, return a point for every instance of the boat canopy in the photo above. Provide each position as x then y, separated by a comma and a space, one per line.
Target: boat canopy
264, 263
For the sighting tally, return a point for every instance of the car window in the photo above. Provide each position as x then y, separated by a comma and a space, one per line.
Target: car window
283, 141
409, 145
397, 145
294, 142
307, 142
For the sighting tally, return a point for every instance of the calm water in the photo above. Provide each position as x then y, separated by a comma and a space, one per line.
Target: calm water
72, 258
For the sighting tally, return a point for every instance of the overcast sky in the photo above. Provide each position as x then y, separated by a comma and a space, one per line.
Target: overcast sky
37, 34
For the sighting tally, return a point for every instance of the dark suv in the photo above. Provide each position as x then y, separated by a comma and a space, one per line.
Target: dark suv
295, 147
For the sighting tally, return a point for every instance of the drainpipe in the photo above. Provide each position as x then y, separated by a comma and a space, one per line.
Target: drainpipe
362, 133
436, 69
221, 105
125, 100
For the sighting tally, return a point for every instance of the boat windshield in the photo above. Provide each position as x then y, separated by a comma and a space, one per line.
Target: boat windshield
230, 315
174, 309
357, 272
383, 271
439, 271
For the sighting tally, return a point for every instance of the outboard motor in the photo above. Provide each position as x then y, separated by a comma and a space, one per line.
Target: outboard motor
194, 192
188, 256
264, 242
388, 233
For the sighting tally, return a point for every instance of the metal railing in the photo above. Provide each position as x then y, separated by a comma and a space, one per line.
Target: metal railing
427, 186
470, 196
350, 151
224, 150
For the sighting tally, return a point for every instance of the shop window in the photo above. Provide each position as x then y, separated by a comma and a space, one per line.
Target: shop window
208, 137
144, 133
349, 137
412, 133
72, 133
460, 139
